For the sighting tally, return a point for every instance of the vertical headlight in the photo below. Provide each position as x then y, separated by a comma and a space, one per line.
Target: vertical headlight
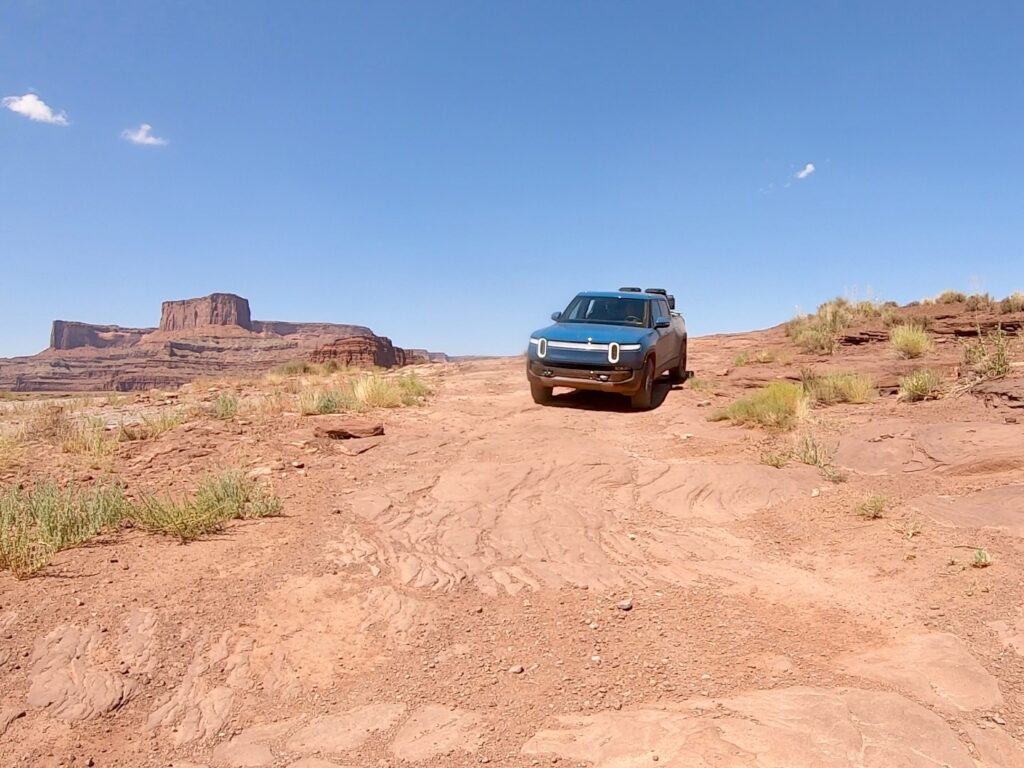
542, 348
613, 352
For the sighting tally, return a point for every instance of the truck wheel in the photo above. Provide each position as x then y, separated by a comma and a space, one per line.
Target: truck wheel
643, 399
678, 373
541, 395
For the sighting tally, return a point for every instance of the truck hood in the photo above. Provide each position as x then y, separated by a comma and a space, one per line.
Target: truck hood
598, 333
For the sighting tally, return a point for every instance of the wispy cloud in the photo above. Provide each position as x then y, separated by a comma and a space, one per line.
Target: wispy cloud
143, 135
34, 108
806, 171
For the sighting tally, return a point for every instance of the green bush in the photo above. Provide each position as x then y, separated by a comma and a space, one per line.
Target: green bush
780, 405
36, 524
218, 499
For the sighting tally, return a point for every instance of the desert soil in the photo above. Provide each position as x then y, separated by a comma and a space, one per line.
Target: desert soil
500, 583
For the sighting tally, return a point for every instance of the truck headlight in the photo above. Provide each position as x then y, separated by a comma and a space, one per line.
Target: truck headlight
613, 353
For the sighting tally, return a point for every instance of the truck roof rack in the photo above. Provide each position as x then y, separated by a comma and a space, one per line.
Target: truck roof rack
629, 289
659, 291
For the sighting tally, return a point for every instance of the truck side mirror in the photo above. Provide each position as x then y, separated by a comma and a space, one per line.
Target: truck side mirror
662, 322
555, 316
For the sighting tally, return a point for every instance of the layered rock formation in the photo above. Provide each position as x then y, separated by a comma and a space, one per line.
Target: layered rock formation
215, 309
67, 334
210, 336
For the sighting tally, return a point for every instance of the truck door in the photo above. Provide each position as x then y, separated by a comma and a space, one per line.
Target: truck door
667, 347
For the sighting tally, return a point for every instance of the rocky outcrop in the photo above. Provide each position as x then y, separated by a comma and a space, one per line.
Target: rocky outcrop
68, 334
361, 352
197, 338
215, 309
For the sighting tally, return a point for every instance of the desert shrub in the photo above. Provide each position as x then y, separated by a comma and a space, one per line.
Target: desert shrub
151, 426
1012, 303
739, 360
909, 340
780, 405
839, 387
981, 558
775, 458
36, 524
218, 499
325, 401
11, 451
821, 331
292, 368
920, 385
413, 388
951, 297
978, 301
988, 356
873, 507
86, 436
224, 407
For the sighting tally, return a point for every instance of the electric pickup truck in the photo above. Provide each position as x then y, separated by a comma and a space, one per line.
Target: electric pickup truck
610, 341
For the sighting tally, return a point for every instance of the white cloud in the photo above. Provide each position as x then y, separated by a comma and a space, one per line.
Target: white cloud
806, 171
143, 136
34, 108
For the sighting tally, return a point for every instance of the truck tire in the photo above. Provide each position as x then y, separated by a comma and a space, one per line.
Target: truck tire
644, 398
678, 374
541, 395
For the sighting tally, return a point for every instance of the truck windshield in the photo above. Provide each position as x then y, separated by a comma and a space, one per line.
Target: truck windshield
609, 311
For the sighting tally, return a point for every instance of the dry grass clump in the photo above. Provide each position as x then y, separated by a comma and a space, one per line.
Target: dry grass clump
780, 406
921, 385
951, 297
1012, 303
369, 390
981, 559
979, 301
910, 340
218, 499
224, 407
36, 524
11, 451
839, 387
151, 427
873, 507
821, 331
988, 357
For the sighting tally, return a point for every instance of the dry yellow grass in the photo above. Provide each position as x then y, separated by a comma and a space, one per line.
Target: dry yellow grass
780, 405
910, 341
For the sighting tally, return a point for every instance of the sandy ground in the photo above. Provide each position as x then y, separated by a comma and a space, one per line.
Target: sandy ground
498, 582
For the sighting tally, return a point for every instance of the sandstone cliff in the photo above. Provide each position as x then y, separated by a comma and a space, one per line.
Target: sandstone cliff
67, 334
215, 309
210, 336
361, 351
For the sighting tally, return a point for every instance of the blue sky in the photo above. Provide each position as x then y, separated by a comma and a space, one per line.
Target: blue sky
451, 172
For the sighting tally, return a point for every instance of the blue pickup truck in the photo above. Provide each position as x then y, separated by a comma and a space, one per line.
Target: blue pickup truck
610, 341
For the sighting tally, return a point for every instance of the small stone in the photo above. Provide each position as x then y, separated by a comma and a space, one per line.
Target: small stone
298, 464
596, 659
815, 492
516, 669
593, 625
625, 605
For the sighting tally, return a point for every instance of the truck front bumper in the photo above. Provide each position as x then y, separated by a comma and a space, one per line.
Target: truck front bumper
623, 382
